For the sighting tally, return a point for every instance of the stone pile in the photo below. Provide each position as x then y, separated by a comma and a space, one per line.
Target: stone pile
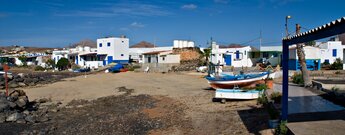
17, 108
21, 80
189, 65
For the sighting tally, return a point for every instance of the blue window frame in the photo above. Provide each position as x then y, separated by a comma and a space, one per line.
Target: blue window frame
121, 54
334, 52
100, 44
108, 44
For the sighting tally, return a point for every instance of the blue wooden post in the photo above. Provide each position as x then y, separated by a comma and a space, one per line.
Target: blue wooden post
285, 96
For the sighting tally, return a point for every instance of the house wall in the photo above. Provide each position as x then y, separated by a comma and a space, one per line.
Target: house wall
170, 58
218, 55
118, 49
327, 51
312, 57
310, 53
153, 58
136, 53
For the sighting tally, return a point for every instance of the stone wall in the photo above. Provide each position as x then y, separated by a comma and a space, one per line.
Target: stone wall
187, 54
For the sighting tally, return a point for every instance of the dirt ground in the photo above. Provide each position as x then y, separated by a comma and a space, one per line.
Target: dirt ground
174, 103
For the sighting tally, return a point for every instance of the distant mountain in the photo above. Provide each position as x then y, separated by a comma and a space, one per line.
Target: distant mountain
85, 42
143, 44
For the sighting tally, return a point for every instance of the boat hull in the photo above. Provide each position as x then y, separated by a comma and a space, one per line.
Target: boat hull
237, 94
247, 83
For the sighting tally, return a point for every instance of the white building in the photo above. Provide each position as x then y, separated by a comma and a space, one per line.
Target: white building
312, 58
183, 43
82, 56
113, 49
166, 57
136, 54
234, 56
330, 51
271, 54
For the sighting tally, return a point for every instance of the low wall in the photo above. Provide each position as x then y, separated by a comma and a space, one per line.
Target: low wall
157, 67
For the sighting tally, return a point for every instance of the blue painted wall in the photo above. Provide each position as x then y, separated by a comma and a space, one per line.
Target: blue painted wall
294, 64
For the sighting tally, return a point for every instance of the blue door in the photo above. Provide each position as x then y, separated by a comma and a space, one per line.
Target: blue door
76, 60
110, 59
227, 60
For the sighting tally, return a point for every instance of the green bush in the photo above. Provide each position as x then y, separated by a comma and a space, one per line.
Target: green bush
276, 97
261, 87
281, 129
337, 65
262, 99
297, 79
50, 63
39, 68
62, 64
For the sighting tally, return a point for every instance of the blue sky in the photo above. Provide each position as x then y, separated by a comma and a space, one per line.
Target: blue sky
58, 23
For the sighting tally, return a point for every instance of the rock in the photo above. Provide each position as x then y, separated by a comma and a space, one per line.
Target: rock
54, 110
22, 121
2, 118
14, 117
21, 92
35, 80
12, 105
27, 81
43, 100
9, 77
21, 103
21, 84
4, 106
19, 79
14, 94
30, 119
26, 112
21, 75
43, 118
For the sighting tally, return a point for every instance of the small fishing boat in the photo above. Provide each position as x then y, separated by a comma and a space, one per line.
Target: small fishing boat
237, 94
236, 81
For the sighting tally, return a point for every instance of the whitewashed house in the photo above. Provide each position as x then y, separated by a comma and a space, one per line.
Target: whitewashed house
113, 49
312, 57
330, 51
232, 56
82, 56
136, 54
268, 54
166, 57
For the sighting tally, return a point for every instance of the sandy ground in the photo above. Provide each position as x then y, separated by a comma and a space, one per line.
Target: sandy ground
188, 90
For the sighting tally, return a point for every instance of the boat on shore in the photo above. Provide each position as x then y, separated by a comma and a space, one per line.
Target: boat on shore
237, 81
237, 94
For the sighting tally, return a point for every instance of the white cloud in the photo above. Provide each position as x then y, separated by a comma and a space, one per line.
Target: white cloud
137, 25
189, 6
221, 1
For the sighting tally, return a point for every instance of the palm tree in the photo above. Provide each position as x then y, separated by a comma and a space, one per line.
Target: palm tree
301, 60
207, 54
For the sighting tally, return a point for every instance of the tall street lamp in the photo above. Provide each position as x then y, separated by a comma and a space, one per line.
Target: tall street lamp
286, 25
